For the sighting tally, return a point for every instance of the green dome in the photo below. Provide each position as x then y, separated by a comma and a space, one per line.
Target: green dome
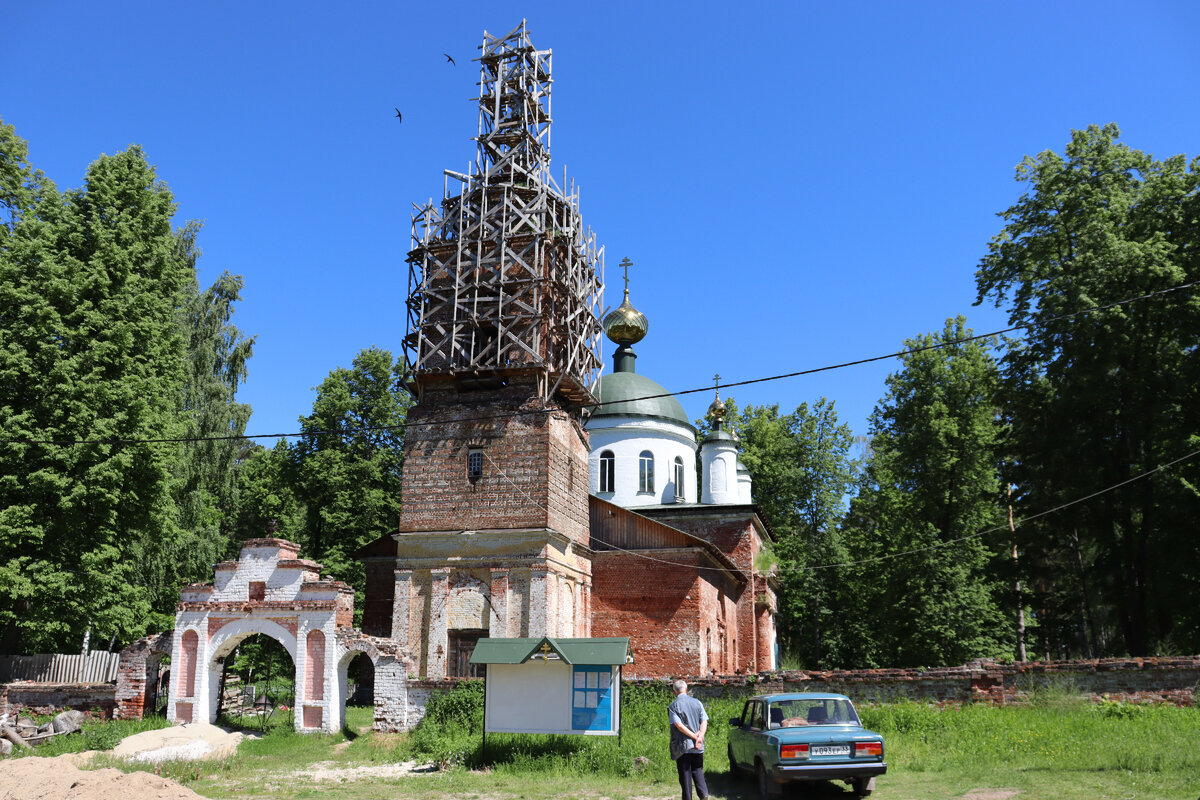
619, 392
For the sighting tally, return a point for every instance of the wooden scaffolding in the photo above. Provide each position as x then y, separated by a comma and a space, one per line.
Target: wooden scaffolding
503, 275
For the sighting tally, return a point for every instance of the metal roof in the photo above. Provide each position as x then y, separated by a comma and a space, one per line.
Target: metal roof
601, 650
627, 394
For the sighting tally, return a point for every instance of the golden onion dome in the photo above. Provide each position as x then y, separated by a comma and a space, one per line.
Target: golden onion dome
717, 411
625, 324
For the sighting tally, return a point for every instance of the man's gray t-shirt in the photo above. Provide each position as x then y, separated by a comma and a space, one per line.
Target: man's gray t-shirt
691, 713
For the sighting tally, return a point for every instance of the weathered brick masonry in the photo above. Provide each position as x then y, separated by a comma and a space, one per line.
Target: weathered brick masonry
1171, 680
658, 609
49, 698
739, 532
534, 459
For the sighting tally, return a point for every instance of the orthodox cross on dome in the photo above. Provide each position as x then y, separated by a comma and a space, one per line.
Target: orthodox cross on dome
625, 325
717, 410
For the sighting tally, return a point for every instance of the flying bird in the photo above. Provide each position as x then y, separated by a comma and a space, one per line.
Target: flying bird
448, 58
399, 116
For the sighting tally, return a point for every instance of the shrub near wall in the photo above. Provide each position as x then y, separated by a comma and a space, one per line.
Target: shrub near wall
1171, 680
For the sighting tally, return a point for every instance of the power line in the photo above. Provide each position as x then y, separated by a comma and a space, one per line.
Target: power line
1020, 522
593, 406
875, 559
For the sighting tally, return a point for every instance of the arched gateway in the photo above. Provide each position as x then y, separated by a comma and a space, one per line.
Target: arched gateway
271, 590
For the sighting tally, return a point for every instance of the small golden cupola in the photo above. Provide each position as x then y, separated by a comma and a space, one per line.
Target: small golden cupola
625, 325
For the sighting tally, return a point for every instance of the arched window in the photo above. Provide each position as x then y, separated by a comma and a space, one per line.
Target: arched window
608, 471
646, 472
680, 495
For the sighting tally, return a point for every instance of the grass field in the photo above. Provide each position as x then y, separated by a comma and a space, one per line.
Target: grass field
1060, 747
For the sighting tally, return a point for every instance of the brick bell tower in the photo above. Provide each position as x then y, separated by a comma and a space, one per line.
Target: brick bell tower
502, 335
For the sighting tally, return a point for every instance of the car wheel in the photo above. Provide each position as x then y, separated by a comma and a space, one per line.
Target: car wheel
734, 769
766, 787
862, 786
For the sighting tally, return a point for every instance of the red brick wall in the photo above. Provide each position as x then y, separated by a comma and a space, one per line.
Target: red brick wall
343, 616
735, 535
315, 661
50, 698
525, 454
658, 609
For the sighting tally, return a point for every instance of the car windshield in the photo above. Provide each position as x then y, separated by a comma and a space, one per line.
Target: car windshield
812, 711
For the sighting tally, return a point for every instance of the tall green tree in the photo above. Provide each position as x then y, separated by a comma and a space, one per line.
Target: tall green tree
802, 469
268, 501
216, 365
93, 351
100, 349
348, 461
1098, 399
925, 589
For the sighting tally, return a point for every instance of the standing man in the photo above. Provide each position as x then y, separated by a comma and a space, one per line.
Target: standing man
688, 721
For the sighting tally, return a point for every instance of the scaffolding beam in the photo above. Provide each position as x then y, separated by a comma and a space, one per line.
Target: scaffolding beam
503, 275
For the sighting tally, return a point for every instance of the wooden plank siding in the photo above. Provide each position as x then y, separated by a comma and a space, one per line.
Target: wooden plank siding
617, 528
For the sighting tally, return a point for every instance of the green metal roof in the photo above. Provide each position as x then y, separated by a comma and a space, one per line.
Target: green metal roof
720, 435
620, 393
611, 650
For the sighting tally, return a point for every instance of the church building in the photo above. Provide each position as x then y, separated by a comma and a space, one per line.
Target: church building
538, 498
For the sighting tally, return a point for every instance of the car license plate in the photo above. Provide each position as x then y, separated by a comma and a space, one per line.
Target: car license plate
831, 750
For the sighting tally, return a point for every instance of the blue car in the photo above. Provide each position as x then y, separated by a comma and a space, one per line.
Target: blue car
810, 736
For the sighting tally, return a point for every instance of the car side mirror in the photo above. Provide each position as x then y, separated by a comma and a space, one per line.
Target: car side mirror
736, 722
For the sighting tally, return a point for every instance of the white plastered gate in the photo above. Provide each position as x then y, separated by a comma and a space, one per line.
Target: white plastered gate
269, 590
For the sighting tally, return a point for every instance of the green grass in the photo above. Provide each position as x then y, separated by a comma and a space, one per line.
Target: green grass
95, 734
1060, 747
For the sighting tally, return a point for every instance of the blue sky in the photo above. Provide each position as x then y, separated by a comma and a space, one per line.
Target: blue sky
798, 184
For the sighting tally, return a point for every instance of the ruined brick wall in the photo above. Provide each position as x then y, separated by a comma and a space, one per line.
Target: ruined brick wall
137, 675
530, 459
50, 698
1142, 680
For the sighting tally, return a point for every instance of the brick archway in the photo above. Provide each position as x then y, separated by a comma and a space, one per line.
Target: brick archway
392, 668
137, 676
272, 591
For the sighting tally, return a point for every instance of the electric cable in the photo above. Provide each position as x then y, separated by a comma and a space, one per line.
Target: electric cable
889, 556
593, 406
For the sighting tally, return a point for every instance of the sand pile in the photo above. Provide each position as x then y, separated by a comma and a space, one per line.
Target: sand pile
190, 742
58, 778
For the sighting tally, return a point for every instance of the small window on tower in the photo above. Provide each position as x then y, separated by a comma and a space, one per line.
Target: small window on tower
474, 465
679, 488
258, 590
